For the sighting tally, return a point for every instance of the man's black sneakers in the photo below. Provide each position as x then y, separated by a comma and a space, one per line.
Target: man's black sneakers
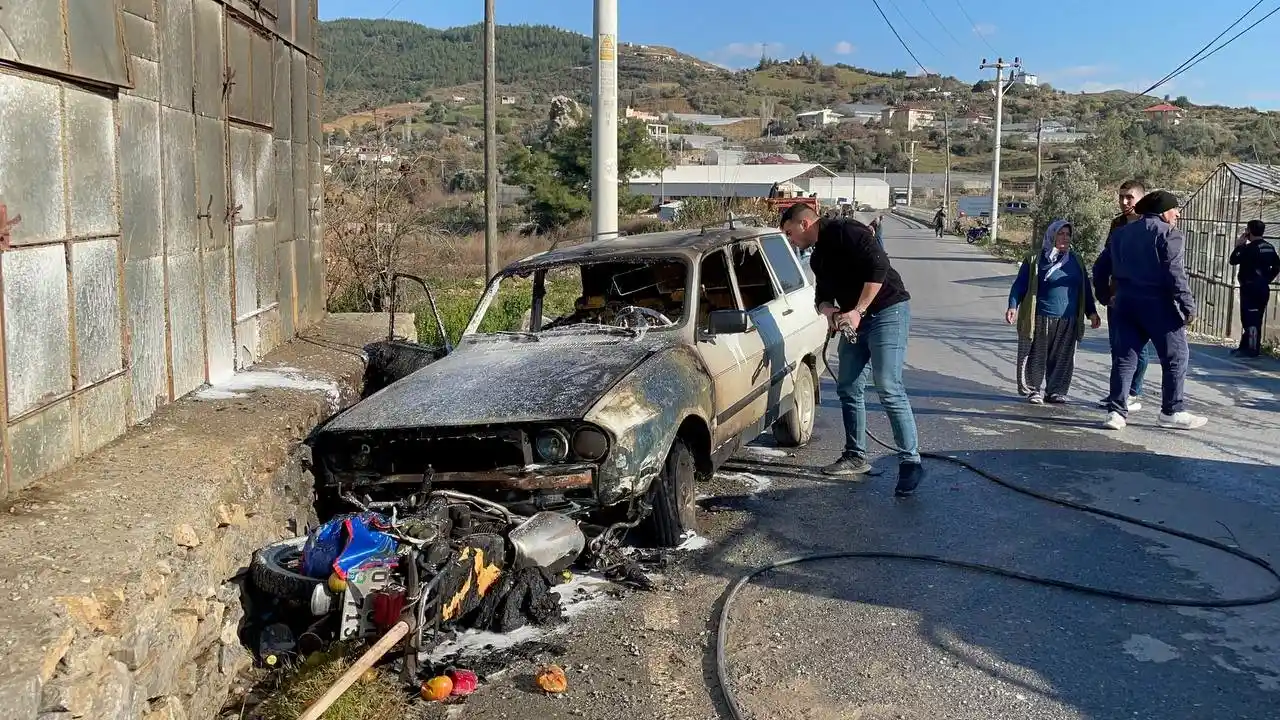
847, 467
909, 475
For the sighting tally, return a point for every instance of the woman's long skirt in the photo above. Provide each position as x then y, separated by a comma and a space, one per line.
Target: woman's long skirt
1048, 358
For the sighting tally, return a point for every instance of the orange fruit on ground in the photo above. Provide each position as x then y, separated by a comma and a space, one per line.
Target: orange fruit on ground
437, 688
551, 679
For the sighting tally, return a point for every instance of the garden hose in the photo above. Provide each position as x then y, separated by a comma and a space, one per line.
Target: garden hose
803, 471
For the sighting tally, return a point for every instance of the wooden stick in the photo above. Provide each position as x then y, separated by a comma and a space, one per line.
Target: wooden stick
358, 668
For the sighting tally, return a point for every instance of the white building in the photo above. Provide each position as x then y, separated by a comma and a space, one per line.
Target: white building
723, 181
818, 118
858, 190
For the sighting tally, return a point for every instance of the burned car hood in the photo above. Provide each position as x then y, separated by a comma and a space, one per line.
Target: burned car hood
491, 382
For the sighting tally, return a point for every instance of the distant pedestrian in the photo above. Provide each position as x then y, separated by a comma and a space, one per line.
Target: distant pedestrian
939, 221
1258, 267
879, 227
1153, 302
1131, 191
857, 286
1050, 301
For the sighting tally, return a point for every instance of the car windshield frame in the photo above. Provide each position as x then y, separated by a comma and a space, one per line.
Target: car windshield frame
539, 273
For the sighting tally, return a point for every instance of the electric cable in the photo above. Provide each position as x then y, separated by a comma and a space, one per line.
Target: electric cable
912, 27
974, 25
806, 471
1192, 60
941, 24
1232, 39
900, 40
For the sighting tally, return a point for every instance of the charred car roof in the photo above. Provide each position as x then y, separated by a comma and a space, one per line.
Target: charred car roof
687, 243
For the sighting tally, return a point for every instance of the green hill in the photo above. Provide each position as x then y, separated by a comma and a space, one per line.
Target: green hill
375, 63
369, 63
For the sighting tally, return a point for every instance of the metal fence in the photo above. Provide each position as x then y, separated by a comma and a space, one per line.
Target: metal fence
164, 157
1212, 219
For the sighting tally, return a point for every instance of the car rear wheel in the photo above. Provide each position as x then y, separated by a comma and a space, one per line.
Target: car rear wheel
672, 496
796, 427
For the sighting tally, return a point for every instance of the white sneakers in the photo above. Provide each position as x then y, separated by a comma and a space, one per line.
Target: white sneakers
1115, 421
1177, 421
1133, 405
1182, 421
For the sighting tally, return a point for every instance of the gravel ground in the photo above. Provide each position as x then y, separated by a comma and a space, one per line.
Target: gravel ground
860, 639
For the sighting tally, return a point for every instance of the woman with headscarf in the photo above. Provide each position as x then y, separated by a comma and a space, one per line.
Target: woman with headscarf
1049, 301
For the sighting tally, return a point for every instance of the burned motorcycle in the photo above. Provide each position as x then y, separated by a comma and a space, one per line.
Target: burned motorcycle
441, 560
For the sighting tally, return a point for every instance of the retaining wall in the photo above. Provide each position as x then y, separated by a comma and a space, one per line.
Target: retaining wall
164, 157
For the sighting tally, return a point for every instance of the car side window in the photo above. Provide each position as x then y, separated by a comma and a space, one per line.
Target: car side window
754, 281
715, 289
783, 261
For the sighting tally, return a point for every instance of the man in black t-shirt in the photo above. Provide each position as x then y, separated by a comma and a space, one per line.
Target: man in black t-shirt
857, 285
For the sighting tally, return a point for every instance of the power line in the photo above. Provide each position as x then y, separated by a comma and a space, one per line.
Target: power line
915, 30
974, 25
941, 24
900, 40
1200, 55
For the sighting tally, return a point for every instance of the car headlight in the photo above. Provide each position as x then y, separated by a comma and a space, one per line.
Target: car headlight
552, 445
590, 444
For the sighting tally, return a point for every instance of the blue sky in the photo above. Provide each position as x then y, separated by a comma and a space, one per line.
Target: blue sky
1075, 45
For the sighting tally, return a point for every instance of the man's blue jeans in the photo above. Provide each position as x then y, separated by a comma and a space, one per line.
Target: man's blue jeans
882, 343
1144, 357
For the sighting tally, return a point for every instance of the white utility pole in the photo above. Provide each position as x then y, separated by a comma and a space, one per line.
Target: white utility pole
490, 145
999, 66
946, 143
911, 174
604, 123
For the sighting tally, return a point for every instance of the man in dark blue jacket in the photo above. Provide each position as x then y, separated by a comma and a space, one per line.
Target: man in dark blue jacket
1153, 301
1258, 266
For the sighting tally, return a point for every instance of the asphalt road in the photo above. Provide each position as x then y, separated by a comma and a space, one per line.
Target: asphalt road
879, 639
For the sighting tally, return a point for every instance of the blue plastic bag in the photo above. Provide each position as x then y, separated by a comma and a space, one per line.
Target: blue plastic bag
346, 543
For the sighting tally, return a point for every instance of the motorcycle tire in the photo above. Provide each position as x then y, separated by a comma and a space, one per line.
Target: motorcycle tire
272, 573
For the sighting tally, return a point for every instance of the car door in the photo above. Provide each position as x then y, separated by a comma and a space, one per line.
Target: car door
729, 359
767, 309
801, 328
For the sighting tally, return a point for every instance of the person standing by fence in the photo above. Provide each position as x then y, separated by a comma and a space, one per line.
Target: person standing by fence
1258, 267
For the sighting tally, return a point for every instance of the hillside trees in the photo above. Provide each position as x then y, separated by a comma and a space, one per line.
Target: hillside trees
1071, 193
555, 171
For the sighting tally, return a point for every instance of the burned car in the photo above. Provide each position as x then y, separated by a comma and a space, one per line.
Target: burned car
640, 365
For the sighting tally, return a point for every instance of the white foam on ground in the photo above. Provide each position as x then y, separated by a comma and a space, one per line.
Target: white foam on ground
765, 451
581, 594
754, 483
283, 378
693, 541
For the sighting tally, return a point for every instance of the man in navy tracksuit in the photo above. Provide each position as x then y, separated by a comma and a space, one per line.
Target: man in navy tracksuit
1152, 302
1258, 266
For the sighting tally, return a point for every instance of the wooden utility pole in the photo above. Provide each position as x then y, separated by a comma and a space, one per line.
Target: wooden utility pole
1039, 137
490, 145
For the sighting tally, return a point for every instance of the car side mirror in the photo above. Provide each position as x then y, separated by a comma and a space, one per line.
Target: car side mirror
728, 322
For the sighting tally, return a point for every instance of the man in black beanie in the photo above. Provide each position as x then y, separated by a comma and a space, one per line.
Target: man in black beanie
1152, 302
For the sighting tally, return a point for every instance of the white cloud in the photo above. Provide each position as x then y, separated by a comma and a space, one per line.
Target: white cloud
844, 47
740, 55
984, 29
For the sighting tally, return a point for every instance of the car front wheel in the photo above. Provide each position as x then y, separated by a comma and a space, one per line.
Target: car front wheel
796, 427
672, 496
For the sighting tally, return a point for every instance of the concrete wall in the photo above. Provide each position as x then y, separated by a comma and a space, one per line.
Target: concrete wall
165, 158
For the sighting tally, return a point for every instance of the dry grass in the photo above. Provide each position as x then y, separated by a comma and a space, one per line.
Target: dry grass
381, 698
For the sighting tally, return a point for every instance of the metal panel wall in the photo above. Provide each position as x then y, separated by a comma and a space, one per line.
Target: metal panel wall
130, 201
